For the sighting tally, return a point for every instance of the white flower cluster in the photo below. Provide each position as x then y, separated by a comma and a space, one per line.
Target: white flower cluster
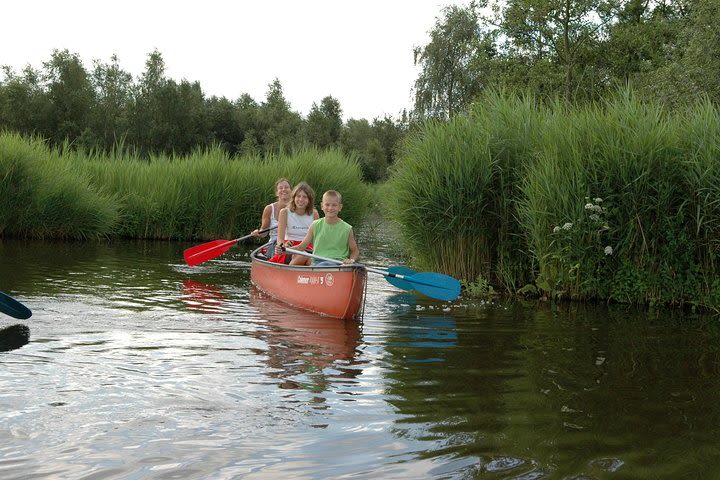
567, 226
597, 210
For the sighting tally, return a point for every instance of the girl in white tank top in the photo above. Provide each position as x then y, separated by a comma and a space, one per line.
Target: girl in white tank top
295, 219
297, 226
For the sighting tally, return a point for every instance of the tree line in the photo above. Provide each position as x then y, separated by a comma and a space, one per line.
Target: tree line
576, 50
579, 51
105, 109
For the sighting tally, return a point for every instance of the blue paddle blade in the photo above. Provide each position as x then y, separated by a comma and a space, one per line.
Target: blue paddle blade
435, 285
12, 307
400, 282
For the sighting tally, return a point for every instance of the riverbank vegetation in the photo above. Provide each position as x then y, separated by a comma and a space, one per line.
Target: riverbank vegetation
575, 50
559, 149
105, 108
66, 194
609, 201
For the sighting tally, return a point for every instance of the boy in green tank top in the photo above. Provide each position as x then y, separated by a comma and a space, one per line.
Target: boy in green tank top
331, 236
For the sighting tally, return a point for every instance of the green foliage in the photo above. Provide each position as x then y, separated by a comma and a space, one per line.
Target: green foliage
105, 110
692, 68
480, 288
278, 128
70, 97
42, 196
577, 253
581, 51
454, 64
444, 180
511, 191
324, 123
50, 194
359, 138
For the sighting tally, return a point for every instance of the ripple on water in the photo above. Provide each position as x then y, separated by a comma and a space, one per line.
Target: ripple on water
138, 366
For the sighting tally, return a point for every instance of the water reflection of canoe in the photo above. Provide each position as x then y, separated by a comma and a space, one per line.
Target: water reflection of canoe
337, 291
305, 335
203, 297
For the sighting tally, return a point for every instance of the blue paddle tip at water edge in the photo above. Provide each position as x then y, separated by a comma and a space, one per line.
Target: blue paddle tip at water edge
436, 285
12, 307
431, 284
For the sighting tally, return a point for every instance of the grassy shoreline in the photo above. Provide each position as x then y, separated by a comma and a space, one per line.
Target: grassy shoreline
615, 201
64, 194
609, 202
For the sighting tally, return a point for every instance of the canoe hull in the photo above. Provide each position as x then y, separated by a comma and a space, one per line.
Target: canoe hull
335, 291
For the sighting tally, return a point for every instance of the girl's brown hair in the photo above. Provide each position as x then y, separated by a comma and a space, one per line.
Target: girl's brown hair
304, 187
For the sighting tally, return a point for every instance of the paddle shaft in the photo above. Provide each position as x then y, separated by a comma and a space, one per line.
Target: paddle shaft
435, 285
209, 250
384, 273
250, 234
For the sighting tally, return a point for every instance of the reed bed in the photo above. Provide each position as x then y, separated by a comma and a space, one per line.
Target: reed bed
68, 194
614, 201
42, 196
437, 194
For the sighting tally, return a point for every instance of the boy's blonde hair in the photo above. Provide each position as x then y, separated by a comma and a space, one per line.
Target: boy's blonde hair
304, 187
333, 193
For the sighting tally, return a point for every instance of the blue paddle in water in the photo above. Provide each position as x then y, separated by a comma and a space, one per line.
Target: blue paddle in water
12, 307
434, 285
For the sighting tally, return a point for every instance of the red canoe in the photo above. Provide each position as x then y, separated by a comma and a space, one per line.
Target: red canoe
337, 291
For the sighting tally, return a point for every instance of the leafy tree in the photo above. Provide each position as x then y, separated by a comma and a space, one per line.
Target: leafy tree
22, 101
557, 41
147, 131
389, 133
185, 110
223, 128
324, 123
110, 115
167, 116
246, 117
277, 126
640, 41
455, 64
359, 138
694, 69
71, 97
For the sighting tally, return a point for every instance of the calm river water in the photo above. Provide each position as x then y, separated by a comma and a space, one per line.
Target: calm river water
139, 367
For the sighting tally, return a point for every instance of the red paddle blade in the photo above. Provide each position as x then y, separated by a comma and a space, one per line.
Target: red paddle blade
207, 251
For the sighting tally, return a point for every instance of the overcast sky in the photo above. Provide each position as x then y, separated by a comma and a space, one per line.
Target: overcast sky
360, 52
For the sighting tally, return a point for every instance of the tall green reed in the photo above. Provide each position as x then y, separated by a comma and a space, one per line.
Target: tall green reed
699, 138
207, 194
439, 193
42, 196
635, 186
455, 188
